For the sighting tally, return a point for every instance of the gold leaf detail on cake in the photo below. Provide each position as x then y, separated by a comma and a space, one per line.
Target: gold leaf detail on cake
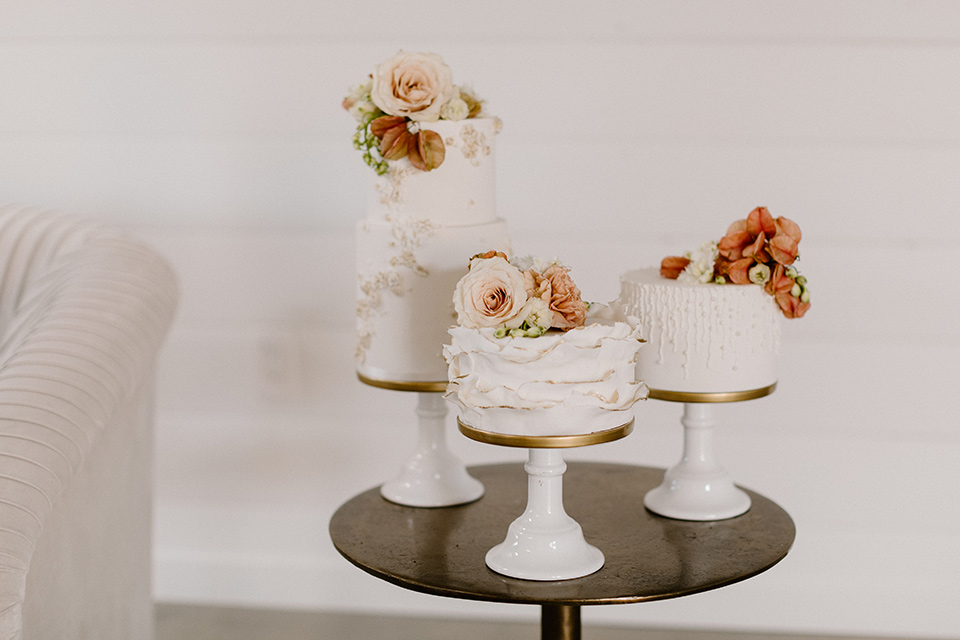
408, 234
391, 193
475, 145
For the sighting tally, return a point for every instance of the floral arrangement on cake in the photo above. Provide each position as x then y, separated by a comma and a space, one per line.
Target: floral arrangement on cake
520, 298
404, 91
760, 250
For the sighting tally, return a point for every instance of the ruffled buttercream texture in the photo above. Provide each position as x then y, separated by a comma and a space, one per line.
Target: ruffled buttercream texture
561, 383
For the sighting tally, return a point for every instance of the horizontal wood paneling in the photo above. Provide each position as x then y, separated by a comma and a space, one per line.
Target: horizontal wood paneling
497, 19
583, 91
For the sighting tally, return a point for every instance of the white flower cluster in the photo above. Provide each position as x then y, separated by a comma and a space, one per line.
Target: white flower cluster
700, 269
358, 103
535, 263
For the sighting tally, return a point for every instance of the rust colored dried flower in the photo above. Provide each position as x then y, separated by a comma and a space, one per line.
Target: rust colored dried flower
672, 266
489, 254
425, 150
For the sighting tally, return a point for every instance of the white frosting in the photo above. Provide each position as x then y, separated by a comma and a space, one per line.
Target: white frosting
561, 383
704, 338
407, 272
415, 245
460, 191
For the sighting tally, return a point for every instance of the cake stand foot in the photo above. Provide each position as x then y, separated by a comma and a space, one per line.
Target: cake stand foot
544, 543
433, 476
697, 488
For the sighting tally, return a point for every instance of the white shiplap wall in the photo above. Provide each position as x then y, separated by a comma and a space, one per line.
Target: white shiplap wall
213, 129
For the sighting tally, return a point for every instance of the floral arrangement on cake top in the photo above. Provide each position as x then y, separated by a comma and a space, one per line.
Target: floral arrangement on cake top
520, 298
403, 92
760, 250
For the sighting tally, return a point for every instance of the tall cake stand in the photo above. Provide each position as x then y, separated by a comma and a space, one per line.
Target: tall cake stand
432, 476
545, 543
698, 487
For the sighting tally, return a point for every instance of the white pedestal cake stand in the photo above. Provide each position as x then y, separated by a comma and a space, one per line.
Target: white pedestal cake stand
698, 488
432, 476
545, 543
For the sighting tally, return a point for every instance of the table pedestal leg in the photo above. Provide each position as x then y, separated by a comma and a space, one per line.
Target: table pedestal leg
560, 622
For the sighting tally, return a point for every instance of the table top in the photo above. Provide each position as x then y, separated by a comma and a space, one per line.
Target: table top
441, 551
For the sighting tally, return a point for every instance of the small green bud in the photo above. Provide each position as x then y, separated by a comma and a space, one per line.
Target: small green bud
805, 296
500, 332
759, 274
796, 290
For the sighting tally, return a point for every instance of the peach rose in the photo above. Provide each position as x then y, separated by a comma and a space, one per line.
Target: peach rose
490, 295
569, 310
413, 85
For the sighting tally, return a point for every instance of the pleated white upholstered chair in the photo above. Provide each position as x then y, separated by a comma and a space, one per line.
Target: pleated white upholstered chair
84, 310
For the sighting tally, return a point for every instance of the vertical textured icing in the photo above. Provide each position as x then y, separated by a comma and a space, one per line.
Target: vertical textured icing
704, 338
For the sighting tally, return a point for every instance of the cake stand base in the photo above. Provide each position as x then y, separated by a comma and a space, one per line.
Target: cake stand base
544, 543
697, 488
433, 476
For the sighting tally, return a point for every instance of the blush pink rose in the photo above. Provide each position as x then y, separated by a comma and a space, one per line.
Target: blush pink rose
491, 294
413, 85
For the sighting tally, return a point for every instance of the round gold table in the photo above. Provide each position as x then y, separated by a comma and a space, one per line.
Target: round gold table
648, 557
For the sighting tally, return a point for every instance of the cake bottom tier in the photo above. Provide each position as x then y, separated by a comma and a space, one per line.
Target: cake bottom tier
407, 271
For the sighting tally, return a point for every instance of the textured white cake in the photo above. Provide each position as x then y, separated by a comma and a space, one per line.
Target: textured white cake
703, 338
414, 245
561, 383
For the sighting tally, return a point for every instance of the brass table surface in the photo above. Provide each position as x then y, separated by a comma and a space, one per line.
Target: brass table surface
441, 551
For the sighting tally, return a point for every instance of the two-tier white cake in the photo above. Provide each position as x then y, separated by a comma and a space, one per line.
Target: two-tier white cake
422, 222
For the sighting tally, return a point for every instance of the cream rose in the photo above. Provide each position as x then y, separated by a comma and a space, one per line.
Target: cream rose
456, 109
415, 85
490, 295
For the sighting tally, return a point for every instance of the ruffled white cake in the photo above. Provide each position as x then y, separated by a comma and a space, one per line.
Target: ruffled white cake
561, 383
703, 338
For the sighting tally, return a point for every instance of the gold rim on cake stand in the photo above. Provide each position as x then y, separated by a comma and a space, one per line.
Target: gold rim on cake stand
545, 442
404, 385
722, 396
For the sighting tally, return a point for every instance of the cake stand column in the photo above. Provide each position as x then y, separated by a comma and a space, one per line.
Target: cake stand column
697, 488
544, 543
433, 476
